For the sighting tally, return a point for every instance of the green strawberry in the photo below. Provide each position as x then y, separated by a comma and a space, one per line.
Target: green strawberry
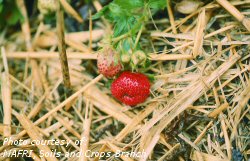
47, 6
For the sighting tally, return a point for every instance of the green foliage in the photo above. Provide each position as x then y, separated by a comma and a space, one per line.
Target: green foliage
123, 18
129, 15
151, 77
88, 1
1, 7
157, 4
9, 13
108, 83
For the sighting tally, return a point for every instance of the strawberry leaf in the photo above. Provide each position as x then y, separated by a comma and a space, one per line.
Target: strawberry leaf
151, 77
101, 13
130, 5
121, 27
157, 4
124, 15
9, 13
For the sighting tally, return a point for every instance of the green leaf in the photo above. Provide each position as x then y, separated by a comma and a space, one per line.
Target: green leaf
49, 18
136, 27
88, 1
130, 4
14, 17
1, 7
9, 13
100, 13
121, 9
157, 4
151, 77
120, 27
108, 83
116, 10
126, 45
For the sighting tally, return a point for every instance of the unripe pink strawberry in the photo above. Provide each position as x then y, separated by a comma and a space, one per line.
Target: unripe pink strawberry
108, 62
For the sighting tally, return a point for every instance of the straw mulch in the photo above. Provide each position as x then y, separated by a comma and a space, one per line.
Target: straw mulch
199, 103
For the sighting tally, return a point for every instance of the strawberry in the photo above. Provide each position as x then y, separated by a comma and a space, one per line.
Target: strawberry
131, 88
138, 57
108, 62
47, 6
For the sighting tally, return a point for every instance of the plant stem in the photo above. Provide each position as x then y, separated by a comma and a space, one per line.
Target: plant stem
116, 39
138, 37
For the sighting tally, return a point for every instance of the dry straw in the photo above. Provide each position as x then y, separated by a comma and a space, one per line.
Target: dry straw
199, 103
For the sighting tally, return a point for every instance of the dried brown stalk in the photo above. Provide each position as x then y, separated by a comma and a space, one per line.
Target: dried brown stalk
71, 11
227, 141
27, 36
34, 134
6, 96
199, 103
182, 102
198, 40
235, 12
218, 110
61, 47
171, 17
86, 133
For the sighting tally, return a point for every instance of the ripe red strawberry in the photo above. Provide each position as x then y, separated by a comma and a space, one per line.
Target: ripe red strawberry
108, 62
131, 88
